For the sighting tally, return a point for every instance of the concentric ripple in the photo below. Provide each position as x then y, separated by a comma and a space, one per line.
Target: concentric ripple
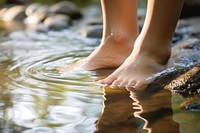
36, 97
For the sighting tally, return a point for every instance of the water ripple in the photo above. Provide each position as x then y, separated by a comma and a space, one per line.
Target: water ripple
38, 98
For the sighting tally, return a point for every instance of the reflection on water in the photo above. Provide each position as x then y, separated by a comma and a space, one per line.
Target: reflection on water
36, 98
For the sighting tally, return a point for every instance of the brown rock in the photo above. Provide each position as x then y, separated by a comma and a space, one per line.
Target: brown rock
16, 13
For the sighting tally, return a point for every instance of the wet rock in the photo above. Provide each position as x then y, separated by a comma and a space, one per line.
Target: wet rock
183, 80
192, 103
187, 52
32, 8
38, 16
39, 28
188, 83
183, 27
176, 38
57, 22
94, 31
94, 21
195, 35
66, 7
190, 8
16, 13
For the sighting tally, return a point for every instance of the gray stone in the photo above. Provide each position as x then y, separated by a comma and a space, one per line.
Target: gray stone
38, 16
39, 27
187, 52
16, 13
32, 8
68, 8
94, 21
94, 31
57, 22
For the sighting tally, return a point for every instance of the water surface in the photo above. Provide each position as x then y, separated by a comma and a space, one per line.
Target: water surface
36, 98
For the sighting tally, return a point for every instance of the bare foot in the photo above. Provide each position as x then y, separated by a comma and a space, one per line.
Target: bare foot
111, 53
139, 69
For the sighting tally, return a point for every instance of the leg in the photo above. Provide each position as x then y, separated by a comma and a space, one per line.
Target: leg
119, 34
152, 50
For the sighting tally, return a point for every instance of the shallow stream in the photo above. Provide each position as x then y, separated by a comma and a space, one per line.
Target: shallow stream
36, 98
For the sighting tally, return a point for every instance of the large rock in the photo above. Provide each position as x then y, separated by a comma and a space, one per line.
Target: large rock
57, 22
186, 53
68, 8
32, 8
38, 16
16, 13
183, 80
91, 31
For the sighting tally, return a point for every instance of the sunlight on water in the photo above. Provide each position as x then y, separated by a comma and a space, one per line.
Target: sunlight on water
39, 99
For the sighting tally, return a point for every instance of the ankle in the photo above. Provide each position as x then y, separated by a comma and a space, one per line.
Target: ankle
161, 56
119, 38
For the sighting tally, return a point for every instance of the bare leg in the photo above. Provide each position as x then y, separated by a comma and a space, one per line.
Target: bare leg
152, 50
119, 35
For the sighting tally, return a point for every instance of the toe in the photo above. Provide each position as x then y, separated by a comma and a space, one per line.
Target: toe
141, 85
116, 83
109, 80
131, 85
123, 84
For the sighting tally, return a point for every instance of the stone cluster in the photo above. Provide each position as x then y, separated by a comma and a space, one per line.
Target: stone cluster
54, 17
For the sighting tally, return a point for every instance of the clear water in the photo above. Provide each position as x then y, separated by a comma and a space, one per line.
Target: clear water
36, 98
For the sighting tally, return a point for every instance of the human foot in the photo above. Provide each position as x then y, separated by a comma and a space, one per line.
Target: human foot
111, 53
139, 69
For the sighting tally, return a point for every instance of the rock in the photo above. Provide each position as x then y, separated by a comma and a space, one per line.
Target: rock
38, 16
66, 7
176, 38
32, 8
94, 31
57, 22
192, 103
188, 83
93, 21
190, 8
186, 53
195, 35
39, 28
2, 12
16, 13
183, 27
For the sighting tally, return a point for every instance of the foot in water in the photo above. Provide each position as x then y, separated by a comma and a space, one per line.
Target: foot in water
137, 71
111, 53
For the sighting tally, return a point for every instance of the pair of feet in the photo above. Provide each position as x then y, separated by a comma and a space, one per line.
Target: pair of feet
137, 64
